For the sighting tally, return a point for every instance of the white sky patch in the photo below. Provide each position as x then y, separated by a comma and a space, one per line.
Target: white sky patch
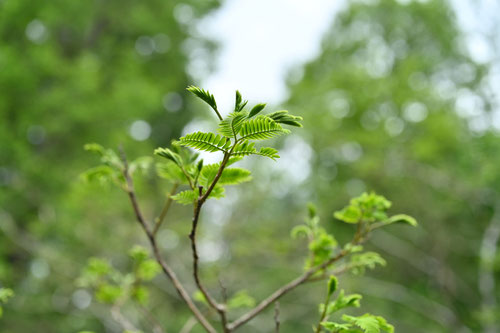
260, 41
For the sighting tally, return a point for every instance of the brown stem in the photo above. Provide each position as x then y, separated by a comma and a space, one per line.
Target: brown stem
283, 291
277, 316
165, 267
164, 211
220, 308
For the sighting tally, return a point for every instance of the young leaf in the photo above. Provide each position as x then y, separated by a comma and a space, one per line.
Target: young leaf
261, 128
284, 118
349, 214
206, 142
359, 262
169, 154
185, 197
344, 301
402, 218
256, 109
230, 176
206, 96
237, 101
231, 125
268, 152
369, 323
335, 327
332, 285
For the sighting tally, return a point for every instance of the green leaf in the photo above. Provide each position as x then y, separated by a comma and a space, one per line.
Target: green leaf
359, 262
284, 118
148, 269
138, 253
169, 170
268, 152
6, 294
204, 95
141, 164
261, 128
369, 323
402, 218
231, 125
199, 297
108, 156
256, 109
344, 301
101, 174
349, 214
335, 327
300, 230
244, 148
206, 142
239, 103
332, 285
241, 300
140, 294
169, 154
107, 293
185, 197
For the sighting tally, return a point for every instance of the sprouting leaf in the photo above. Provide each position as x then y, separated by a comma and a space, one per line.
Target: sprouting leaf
256, 109
170, 170
108, 156
169, 154
300, 230
141, 164
148, 269
349, 214
239, 103
335, 327
138, 253
108, 293
402, 218
359, 262
369, 323
283, 117
231, 125
332, 285
206, 142
311, 209
185, 197
101, 174
261, 128
344, 301
268, 152
204, 95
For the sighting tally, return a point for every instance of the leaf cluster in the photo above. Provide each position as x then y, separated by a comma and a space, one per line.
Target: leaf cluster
110, 285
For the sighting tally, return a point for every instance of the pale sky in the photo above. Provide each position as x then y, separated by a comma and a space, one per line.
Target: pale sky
262, 39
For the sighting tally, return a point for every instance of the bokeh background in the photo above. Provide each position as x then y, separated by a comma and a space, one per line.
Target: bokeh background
400, 97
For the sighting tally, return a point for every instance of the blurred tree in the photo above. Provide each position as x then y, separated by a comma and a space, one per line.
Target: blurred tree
407, 114
72, 73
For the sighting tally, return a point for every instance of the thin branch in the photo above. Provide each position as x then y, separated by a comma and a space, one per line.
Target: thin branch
221, 309
166, 269
277, 316
164, 211
188, 326
323, 313
283, 291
